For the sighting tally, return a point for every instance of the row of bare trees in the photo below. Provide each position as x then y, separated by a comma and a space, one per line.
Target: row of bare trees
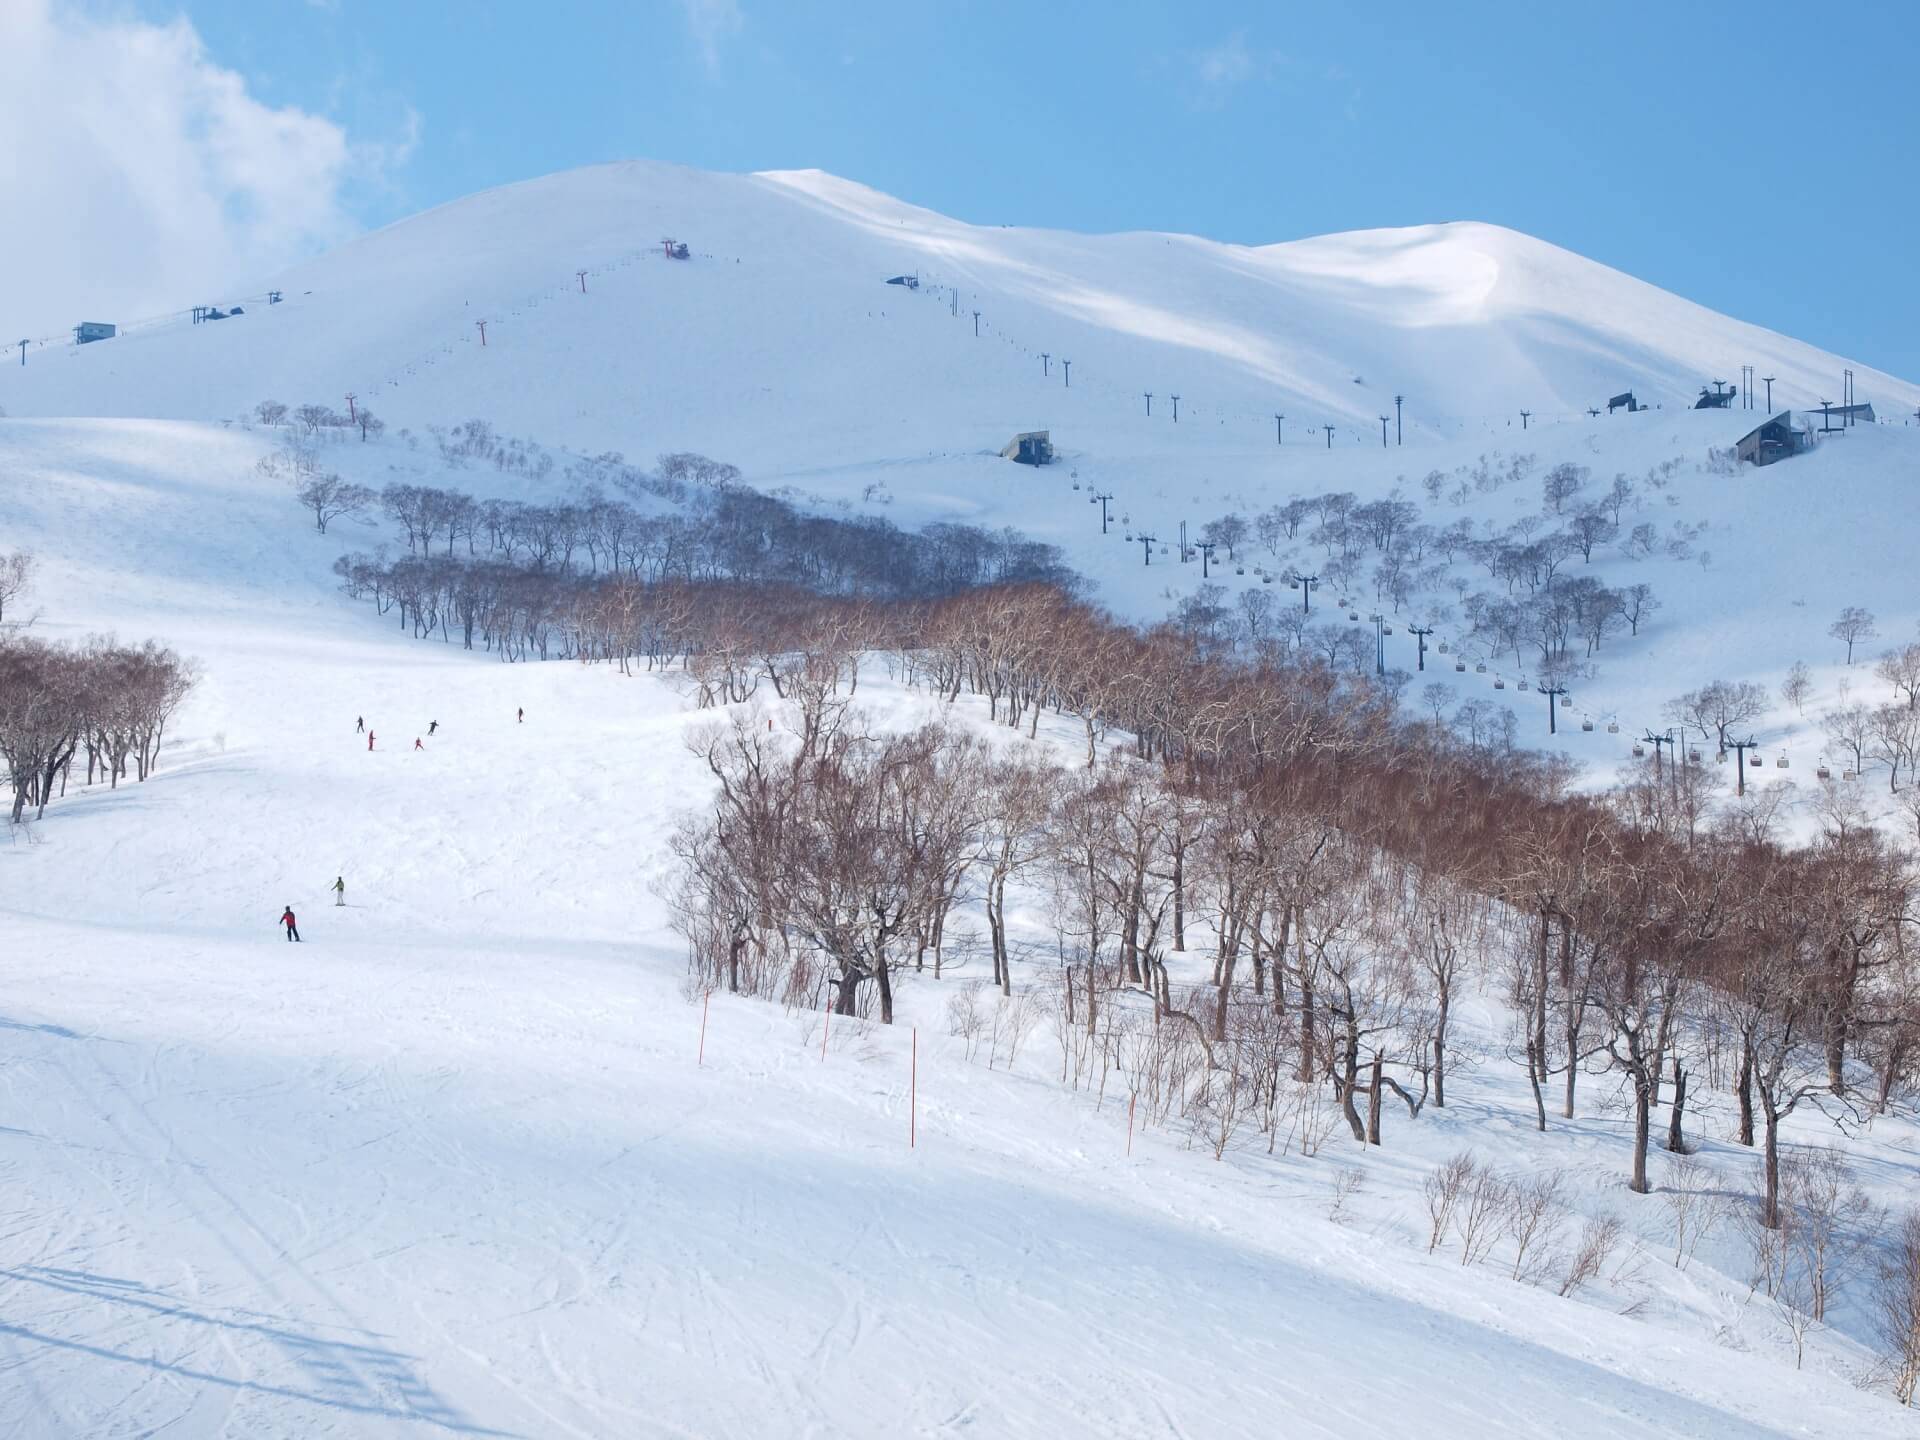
1351, 871
108, 701
1637, 913
1345, 875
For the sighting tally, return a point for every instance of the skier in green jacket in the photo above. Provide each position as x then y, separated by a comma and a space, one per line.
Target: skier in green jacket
339, 888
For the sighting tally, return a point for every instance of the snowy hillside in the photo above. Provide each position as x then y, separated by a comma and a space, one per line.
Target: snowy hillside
778, 347
452, 1165
478, 1157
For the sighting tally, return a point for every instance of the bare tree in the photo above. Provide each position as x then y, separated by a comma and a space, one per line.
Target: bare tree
1797, 687
1719, 707
329, 497
16, 575
1561, 484
1897, 1306
1900, 668
1854, 627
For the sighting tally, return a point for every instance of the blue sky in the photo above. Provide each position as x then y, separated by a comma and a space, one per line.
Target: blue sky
1737, 154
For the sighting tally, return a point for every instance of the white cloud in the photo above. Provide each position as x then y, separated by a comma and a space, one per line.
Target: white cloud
1220, 70
711, 22
1215, 77
142, 177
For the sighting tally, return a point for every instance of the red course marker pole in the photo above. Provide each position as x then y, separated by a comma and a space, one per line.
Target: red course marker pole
1132, 1099
705, 1000
913, 1093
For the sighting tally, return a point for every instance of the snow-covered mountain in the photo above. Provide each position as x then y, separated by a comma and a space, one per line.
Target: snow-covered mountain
468, 1161
777, 344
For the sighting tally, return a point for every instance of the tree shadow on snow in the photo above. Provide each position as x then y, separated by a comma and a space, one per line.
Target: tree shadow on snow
339, 1374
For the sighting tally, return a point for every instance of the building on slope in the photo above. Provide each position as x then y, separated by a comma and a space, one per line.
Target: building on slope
1775, 438
1029, 447
1860, 413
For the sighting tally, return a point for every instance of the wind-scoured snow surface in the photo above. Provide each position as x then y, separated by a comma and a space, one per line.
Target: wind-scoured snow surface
449, 1166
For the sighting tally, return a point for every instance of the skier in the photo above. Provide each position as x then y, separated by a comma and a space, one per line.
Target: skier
369, 740
416, 743
340, 890
286, 919
359, 724
432, 725
522, 716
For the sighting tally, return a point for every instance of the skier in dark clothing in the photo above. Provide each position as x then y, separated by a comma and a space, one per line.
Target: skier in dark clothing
432, 725
369, 740
359, 724
286, 919
521, 718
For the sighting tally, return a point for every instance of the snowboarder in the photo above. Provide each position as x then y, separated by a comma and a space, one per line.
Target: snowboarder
340, 890
369, 740
359, 724
416, 743
286, 919
432, 725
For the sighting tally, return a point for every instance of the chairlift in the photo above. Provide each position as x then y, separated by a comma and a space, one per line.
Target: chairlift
1639, 752
1129, 537
1525, 686
1498, 683
1824, 773
1266, 579
1721, 758
1846, 774
1480, 668
1693, 757
1613, 727
1460, 665
1781, 763
1586, 725
1293, 584
1353, 615
1240, 570
1386, 629
1443, 647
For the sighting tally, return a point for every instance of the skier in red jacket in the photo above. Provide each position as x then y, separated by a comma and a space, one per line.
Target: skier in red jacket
286, 919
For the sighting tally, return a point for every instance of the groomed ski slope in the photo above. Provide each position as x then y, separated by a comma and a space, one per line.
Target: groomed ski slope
449, 1166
